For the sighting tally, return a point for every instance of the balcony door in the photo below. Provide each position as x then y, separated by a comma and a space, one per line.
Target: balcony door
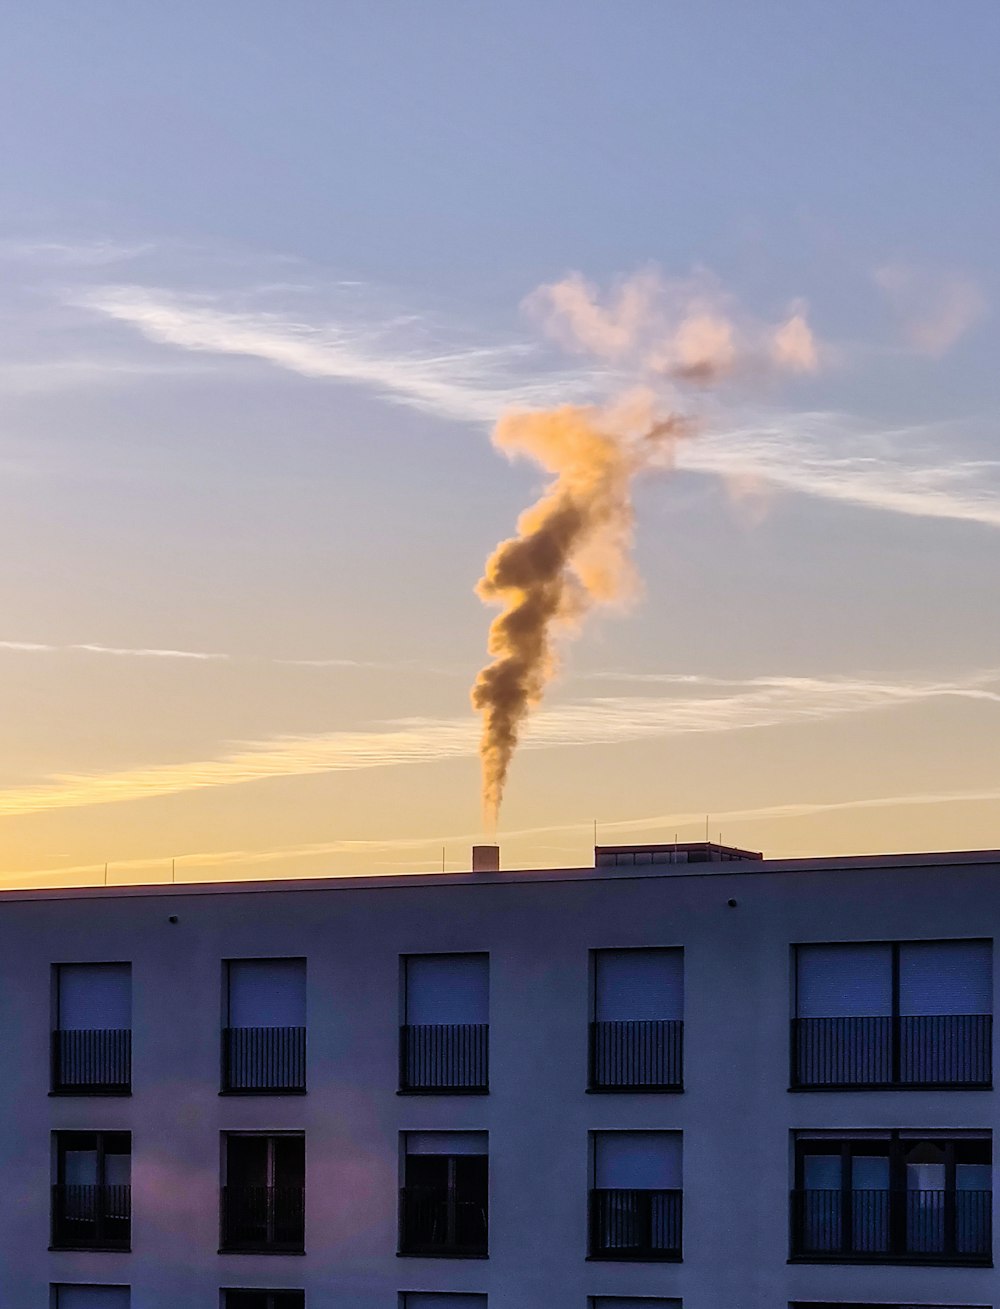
264, 1192
444, 1203
92, 1032
91, 1200
636, 1036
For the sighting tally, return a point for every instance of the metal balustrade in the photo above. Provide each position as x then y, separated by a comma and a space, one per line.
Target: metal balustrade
92, 1217
444, 1057
92, 1062
939, 1226
263, 1218
641, 1055
953, 1050
264, 1059
635, 1224
438, 1221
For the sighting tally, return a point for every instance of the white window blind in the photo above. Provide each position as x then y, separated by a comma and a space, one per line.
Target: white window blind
450, 1143
637, 1160
92, 1297
447, 988
267, 993
444, 1300
844, 981
95, 996
634, 985
945, 977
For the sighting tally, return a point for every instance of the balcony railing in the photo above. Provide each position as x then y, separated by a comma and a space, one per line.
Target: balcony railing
264, 1059
637, 1056
435, 1221
934, 1226
900, 1051
92, 1217
444, 1057
263, 1218
635, 1224
92, 1062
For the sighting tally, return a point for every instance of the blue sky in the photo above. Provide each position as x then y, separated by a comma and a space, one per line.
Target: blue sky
263, 269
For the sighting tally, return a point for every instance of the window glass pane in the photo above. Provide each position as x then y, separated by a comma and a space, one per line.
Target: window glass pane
637, 985
637, 1160
267, 993
92, 1297
844, 981
95, 997
447, 988
80, 1168
870, 1173
945, 977
821, 1172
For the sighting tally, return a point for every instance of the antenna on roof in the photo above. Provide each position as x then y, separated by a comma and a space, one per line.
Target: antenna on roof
442, 859
105, 874
173, 870
707, 838
595, 833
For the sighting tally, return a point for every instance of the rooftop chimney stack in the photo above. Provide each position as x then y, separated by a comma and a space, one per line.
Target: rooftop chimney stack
486, 859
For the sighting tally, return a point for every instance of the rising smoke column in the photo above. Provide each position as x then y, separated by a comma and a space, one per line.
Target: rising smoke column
572, 548
571, 552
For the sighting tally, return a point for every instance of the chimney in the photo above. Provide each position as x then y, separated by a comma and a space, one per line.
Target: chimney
486, 859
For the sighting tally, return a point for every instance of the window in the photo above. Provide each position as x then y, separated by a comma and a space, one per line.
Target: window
843, 1304
92, 1029
264, 1039
898, 1197
635, 1201
90, 1297
911, 1013
263, 1193
92, 1196
444, 1201
444, 1037
442, 1300
637, 1028
263, 1299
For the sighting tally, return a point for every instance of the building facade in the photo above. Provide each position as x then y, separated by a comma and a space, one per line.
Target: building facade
685, 1078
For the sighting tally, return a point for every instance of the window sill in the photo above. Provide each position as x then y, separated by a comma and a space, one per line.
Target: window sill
635, 1259
443, 1090
91, 1249
294, 1254
635, 1090
841, 1087
439, 1254
263, 1090
892, 1260
90, 1092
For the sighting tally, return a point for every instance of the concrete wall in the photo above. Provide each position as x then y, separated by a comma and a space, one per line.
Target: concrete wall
736, 1112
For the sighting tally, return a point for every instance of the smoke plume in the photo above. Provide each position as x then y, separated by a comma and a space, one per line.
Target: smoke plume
572, 551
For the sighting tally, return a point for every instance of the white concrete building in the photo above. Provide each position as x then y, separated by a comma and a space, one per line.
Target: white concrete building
686, 1076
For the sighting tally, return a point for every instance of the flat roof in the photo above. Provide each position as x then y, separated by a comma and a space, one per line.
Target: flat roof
515, 877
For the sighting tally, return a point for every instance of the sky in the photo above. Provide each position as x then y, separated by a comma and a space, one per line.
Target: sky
266, 276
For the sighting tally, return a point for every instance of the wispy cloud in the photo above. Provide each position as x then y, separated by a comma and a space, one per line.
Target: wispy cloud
470, 384
912, 471
755, 703
121, 652
71, 253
